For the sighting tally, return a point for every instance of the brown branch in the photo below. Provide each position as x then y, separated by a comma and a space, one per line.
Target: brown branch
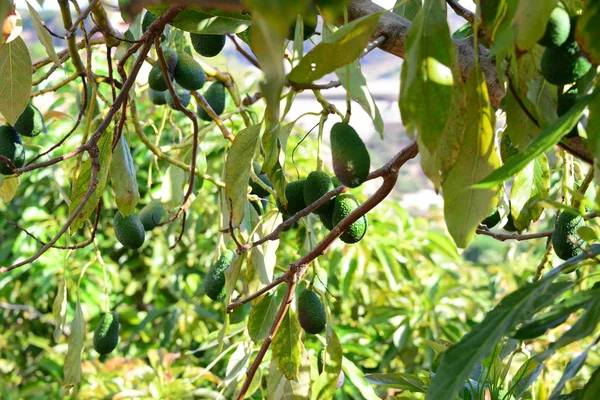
83, 15
461, 11
233, 305
64, 55
511, 236
243, 52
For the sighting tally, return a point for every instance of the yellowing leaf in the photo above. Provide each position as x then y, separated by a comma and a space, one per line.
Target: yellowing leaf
8, 188
72, 368
44, 36
59, 307
532, 183
123, 178
464, 206
15, 79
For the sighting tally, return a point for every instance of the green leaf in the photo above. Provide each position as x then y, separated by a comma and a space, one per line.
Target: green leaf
464, 207
286, 346
525, 376
172, 187
592, 387
409, 382
123, 178
408, 8
587, 30
198, 20
279, 387
531, 184
232, 274
280, 14
548, 138
358, 379
262, 315
458, 361
341, 48
519, 127
15, 79
59, 307
325, 386
72, 368
237, 170
82, 182
530, 21
571, 370
428, 74
463, 32
44, 36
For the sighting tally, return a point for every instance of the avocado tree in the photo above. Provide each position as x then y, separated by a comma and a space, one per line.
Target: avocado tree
528, 68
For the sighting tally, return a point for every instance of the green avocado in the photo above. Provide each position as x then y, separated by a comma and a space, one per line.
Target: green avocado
256, 188
129, 230
151, 214
317, 184
327, 220
344, 205
12, 148
557, 30
351, 161
156, 80
184, 96
563, 65
215, 97
30, 122
294, 193
207, 45
311, 312
493, 219
310, 22
106, 334
158, 98
567, 224
214, 284
567, 100
188, 72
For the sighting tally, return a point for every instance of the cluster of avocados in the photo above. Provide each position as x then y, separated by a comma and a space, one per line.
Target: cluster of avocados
30, 123
562, 62
130, 229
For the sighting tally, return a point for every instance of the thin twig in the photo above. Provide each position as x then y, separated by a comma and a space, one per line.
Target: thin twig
243, 52
461, 11
510, 236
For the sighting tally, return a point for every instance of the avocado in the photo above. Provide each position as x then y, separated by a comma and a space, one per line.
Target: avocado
567, 100
214, 284
106, 334
310, 22
344, 205
557, 30
207, 45
563, 65
317, 184
351, 161
12, 148
158, 98
151, 214
493, 219
188, 72
320, 362
215, 97
129, 230
567, 224
294, 193
256, 188
156, 80
311, 312
507, 150
184, 96
327, 220
31, 122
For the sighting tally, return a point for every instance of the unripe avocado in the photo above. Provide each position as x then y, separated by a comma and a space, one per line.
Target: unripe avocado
507, 150
294, 193
351, 161
214, 284
564, 64
151, 214
493, 219
310, 25
311, 312
129, 230
565, 102
567, 224
12, 148
30, 122
207, 45
344, 205
106, 334
158, 98
558, 28
327, 220
215, 97
156, 80
317, 184
184, 96
256, 188
188, 72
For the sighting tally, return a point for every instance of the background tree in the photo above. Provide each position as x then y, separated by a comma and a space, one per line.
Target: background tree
236, 271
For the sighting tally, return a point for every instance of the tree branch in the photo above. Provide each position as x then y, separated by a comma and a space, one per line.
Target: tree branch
511, 236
